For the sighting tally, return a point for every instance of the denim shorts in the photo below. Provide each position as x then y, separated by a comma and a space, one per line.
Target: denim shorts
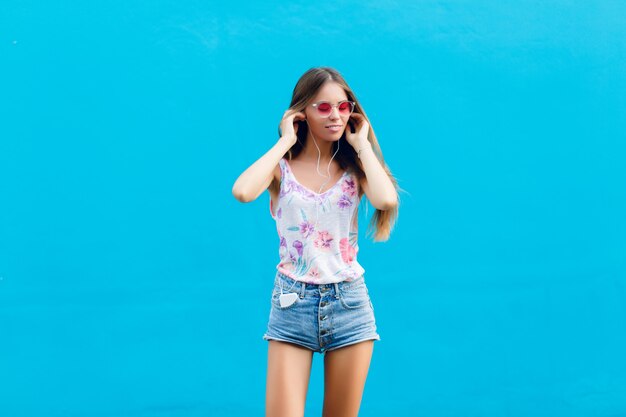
324, 316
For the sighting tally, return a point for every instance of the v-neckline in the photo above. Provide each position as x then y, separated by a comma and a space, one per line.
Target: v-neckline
307, 188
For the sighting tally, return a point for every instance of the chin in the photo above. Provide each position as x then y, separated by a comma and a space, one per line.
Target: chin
329, 136
334, 137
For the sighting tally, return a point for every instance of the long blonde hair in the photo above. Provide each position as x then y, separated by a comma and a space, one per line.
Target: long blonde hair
306, 88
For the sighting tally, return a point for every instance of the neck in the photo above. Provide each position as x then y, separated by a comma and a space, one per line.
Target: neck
325, 153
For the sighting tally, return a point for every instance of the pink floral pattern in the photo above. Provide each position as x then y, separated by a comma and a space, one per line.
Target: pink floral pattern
318, 250
347, 250
323, 240
313, 272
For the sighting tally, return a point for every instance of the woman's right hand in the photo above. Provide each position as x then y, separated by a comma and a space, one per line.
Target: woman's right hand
289, 127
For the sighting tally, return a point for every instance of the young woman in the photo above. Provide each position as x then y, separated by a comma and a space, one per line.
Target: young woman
320, 302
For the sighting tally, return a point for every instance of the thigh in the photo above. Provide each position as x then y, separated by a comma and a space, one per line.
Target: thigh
345, 372
288, 373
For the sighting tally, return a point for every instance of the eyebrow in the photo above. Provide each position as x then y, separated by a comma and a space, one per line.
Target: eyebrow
328, 101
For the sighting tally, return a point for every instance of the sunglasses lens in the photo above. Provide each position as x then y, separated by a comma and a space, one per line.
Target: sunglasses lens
324, 108
345, 107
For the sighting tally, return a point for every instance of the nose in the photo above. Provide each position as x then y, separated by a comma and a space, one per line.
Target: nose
334, 113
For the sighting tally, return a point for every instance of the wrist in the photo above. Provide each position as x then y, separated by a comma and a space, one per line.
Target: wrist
362, 146
287, 140
363, 143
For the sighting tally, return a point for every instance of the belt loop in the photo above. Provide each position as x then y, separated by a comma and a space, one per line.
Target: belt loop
336, 290
302, 290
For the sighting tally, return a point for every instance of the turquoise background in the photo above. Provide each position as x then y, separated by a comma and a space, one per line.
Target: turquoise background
132, 283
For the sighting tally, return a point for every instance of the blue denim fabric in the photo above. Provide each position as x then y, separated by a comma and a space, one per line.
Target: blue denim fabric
324, 316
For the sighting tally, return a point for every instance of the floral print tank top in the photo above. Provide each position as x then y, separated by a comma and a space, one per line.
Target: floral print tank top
322, 251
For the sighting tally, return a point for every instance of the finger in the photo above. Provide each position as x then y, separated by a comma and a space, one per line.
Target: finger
299, 116
294, 115
289, 117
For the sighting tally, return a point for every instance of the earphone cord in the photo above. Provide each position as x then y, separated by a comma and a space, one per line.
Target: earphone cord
292, 285
319, 155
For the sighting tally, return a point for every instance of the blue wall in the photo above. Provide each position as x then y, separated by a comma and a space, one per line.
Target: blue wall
132, 283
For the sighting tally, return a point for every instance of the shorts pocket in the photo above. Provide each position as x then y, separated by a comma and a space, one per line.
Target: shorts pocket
355, 296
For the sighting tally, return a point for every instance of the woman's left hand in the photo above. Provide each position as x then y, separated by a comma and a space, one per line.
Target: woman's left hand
362, 128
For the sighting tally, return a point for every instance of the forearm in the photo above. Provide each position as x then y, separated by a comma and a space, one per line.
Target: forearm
382, 193
257, 177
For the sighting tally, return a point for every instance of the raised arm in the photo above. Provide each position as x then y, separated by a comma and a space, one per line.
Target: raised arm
376, 184
258, 176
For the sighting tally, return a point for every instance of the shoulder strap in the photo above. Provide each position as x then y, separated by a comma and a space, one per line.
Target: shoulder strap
283, 169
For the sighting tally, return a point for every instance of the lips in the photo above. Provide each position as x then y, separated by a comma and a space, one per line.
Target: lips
334, 128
